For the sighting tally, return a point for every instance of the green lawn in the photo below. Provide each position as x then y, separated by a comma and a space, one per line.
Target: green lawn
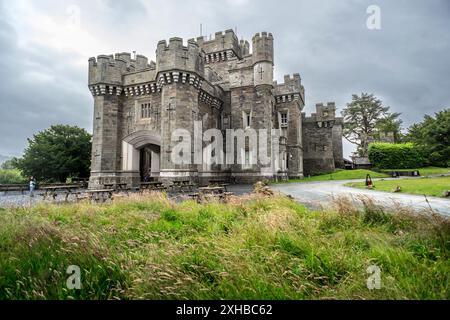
423, 171
343, 175
423, 186
251, 248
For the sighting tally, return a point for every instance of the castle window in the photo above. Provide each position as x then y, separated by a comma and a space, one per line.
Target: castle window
247, 119
145, 111
248, 159
284, 119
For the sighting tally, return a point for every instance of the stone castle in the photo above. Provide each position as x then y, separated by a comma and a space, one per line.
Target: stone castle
138, 104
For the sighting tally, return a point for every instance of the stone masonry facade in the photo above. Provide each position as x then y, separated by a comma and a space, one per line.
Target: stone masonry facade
221, 84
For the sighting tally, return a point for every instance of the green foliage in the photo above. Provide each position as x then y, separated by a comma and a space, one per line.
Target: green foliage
389, 124
364, 118
11, 176
10, 164
432, 136
252, 248
57, 153
390, 155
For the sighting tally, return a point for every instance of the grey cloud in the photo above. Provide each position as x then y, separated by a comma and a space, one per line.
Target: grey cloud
405, 63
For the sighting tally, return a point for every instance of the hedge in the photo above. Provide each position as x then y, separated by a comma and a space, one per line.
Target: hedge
395, 156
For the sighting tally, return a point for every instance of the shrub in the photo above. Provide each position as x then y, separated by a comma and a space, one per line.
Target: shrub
398, 156
11, 176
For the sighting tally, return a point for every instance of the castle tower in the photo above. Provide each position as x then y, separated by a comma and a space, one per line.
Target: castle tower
179, 77
262, 111
105, 83
290, 100
263, 59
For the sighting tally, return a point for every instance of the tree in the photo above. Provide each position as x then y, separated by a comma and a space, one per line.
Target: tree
10, 164
389, 124
432, 135
57, 153
361, 117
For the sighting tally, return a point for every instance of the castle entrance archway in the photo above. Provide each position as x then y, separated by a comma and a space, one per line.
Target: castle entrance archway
141, 154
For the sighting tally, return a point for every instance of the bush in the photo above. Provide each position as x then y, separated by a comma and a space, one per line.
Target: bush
395, 156
11, 176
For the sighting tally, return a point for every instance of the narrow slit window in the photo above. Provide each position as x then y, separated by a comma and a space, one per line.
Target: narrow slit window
284, 119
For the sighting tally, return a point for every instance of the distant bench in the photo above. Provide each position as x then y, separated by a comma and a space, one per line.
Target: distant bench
397, 174
14, 187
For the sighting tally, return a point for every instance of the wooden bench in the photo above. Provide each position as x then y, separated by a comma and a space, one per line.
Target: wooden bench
182, 186
152, 186
219, 183
14, 187
116, 186
211, 190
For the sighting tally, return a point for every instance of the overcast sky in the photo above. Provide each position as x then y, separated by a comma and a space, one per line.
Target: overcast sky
45, 46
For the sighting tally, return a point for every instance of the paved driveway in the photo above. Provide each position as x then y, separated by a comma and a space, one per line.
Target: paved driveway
317, 194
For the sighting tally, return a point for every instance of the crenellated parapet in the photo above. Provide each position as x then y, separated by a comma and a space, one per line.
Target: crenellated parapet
174, 56
290, 90
106, 72
262, 49
222, 42
325, 116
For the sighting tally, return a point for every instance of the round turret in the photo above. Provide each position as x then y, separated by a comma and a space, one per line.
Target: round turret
263, 59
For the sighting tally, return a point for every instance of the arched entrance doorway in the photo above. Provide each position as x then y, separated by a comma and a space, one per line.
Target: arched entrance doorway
141, 155
149, 162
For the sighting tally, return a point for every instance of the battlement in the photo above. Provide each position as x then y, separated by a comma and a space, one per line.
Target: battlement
263, 47
291, 85
175, 56
222, 41
325, 112
109, 69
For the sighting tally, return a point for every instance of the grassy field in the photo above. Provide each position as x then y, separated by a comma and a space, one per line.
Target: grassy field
250, 248
423, 186
342, 175
423, 171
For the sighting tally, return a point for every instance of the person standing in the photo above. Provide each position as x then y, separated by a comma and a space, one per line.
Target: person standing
32, 184
369, 183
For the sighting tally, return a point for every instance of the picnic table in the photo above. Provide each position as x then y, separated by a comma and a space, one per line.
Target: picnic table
52, 190
116, 186
13, 187
152, 186
219, 182
100, 195
212, 190
211, 193
83, 182
181, 185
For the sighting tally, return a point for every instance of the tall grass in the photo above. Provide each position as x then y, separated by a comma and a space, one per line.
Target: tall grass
251, 248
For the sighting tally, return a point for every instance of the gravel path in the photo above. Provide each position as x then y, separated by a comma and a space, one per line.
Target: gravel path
318, 194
